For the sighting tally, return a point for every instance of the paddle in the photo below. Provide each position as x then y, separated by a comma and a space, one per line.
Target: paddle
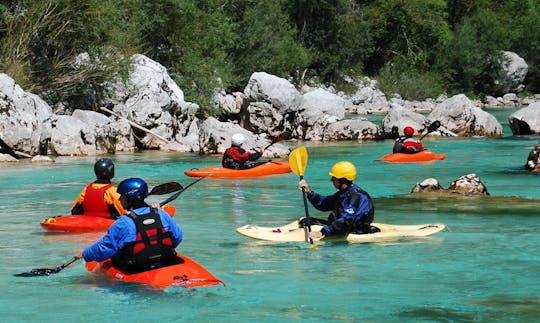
166, 188
47, 271
160, 189
432, 127
276, 139
173, 197
298, 159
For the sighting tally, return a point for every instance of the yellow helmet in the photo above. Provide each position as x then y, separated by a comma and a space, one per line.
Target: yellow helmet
343, 169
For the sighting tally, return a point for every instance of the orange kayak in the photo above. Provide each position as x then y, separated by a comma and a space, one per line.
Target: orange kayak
85, 222
423, 156
266, 169
187, 273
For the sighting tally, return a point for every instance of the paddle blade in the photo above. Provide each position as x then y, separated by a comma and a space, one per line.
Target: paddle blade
39, 272
166, 188
434, 126
298, 160
47, 271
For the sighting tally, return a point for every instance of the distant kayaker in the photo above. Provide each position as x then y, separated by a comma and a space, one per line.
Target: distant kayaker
352, 207
235, 157
143, 239
407, 144
100, 198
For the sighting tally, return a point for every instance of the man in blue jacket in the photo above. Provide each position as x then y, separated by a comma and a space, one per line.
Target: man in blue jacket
352, 207
145, 238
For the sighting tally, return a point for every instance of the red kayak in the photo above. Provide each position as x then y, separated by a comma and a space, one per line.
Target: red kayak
85, 222
423, 156
187, 273
266, 169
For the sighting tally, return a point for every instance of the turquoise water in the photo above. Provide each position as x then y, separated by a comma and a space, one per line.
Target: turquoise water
483, 268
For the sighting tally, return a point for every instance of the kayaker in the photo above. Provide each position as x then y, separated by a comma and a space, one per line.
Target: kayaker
352, 207
145, 238
100, 198
236, 157
407, 144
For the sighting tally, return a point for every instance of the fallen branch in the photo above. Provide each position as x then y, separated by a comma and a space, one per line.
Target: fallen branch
135, 125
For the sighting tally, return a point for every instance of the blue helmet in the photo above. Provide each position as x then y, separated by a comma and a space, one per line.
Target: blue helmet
133, 187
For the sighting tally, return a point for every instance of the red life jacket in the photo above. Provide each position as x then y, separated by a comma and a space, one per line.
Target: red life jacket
153, 246
94, 201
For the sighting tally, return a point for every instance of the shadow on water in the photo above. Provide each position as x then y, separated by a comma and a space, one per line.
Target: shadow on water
479, 205
494, 309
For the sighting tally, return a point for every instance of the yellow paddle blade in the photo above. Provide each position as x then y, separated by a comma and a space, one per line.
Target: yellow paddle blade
298, 160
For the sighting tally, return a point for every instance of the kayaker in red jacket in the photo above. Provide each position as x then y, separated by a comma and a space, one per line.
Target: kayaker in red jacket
407, 144
100, 198
145, 238
235, 157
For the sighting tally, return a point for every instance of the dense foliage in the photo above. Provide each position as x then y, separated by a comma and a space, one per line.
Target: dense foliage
418, 48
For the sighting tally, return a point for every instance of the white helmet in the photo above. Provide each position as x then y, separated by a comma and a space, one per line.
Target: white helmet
238, 139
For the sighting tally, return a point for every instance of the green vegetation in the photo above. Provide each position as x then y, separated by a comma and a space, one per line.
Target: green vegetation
417, 48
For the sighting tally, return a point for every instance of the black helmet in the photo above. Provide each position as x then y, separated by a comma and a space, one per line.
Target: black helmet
104, 169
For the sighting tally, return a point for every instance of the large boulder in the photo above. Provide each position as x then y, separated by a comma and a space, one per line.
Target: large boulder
513, 71
25, 119
526, 121
461, 116
151, 99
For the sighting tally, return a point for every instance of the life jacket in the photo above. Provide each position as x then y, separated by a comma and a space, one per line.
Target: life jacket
94, 201
153, 246
232, 158
398, 145
354, 198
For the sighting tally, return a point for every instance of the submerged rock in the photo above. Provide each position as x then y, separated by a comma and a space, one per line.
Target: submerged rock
469, 184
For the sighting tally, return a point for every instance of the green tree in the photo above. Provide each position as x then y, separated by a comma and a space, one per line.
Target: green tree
264, 40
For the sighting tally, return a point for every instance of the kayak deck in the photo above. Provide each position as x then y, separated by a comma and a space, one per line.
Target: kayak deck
188, 274
266, 169
292, 232
85, 222
422, 156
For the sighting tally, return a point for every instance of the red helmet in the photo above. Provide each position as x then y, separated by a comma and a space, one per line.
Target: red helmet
408, 131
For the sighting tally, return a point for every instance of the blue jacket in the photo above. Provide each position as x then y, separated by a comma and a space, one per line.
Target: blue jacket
123, 231
351, 207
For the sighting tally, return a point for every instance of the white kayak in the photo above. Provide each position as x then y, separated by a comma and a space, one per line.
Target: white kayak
292, 232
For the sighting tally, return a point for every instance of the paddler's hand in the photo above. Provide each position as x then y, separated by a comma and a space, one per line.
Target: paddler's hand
304, 185
316, 235
154, 205
78, 254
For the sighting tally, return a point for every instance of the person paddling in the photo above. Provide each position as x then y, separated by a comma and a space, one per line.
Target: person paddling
407, 144
235, 157
99, 198
352, 209
144, 238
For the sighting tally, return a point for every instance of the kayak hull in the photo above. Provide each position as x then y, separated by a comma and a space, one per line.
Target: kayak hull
292, 232
266, 169
85, 222
423, 156
188, 274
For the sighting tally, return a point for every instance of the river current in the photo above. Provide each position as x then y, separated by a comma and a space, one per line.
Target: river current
483, 268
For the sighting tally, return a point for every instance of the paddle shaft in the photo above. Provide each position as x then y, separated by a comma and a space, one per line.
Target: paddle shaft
173, 197
306, 210
276, 139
